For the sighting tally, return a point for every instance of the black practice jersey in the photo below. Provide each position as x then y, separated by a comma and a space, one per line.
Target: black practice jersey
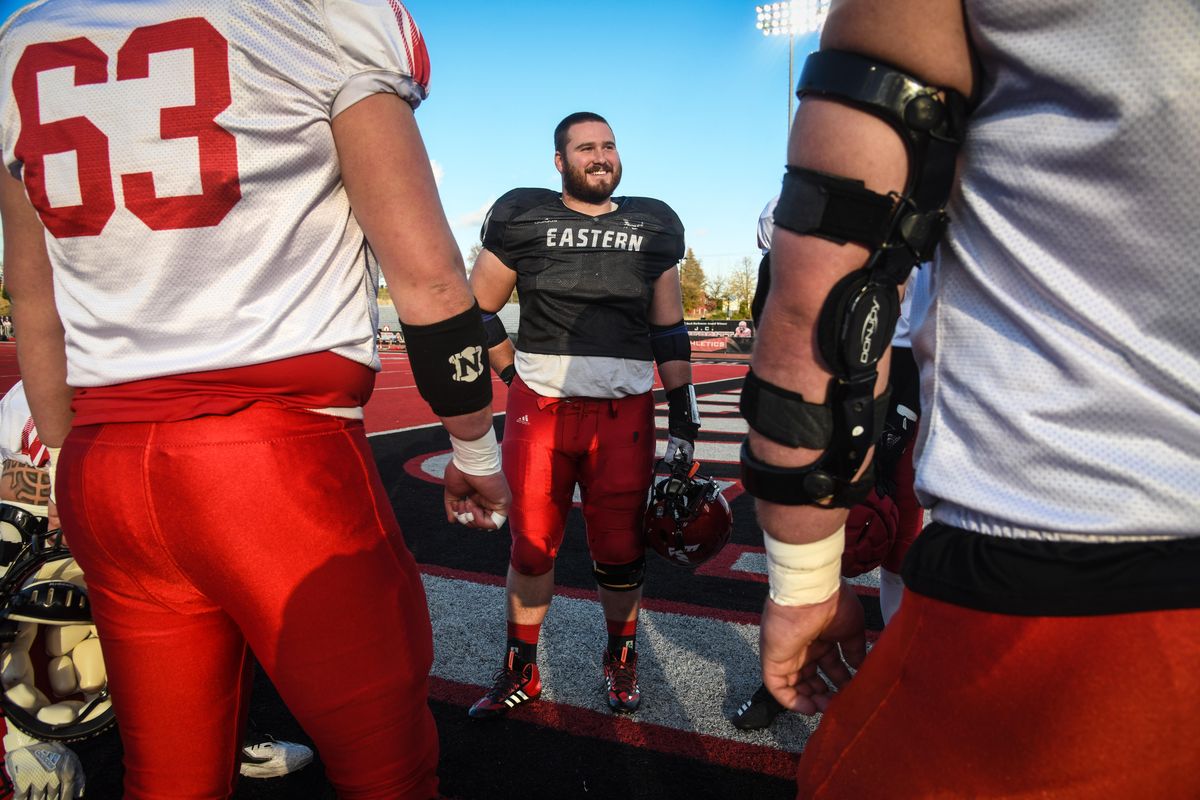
585, 282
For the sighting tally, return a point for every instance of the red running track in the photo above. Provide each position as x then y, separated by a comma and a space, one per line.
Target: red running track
396, 404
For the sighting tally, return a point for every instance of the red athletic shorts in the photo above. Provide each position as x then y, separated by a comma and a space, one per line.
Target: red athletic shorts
953, 702
607, 446
268, 528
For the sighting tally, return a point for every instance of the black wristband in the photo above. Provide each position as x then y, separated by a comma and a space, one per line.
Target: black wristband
670, 343
494, 330
508, 373
683, 417
449, 361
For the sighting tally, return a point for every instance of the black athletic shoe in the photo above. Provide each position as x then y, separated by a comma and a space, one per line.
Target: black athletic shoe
758, 712
512, 685
620, 679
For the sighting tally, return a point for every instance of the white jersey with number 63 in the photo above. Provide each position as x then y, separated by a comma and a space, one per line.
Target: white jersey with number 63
180, 156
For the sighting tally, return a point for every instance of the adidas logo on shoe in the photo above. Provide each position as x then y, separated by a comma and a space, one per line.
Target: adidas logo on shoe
514, 683
758, 712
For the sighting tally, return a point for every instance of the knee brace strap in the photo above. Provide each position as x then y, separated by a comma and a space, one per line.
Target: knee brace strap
929, 119
844, 427
620, 577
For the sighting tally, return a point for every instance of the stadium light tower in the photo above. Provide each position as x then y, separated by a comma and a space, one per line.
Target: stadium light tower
791, 19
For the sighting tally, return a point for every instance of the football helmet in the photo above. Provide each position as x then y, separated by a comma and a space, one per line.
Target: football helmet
63, 695
871, 532
688, 520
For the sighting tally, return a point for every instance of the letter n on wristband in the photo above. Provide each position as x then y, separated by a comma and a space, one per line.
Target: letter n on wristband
450, 364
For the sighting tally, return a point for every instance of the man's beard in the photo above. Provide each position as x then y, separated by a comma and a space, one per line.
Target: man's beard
575, 183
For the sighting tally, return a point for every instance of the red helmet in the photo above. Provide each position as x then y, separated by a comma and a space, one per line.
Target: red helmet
688, 520
870, 534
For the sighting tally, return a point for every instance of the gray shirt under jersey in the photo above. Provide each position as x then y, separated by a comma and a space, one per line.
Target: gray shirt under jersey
1059, 360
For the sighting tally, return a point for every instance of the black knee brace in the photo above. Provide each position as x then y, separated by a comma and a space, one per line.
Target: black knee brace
620, 577
859, 316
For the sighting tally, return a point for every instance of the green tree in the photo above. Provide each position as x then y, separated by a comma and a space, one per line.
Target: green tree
717, 292
691, 280
742, 284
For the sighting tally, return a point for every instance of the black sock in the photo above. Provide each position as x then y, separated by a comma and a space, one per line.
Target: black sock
616, 643
523, 652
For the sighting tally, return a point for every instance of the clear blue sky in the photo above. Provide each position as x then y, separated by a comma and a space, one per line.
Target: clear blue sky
697, 98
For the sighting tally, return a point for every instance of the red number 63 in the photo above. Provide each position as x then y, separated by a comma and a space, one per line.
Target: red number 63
221, 189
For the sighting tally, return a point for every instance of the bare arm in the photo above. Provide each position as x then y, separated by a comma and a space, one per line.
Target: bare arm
40, 349
666, 307
391, 188
392, 191
928, 39
493, 283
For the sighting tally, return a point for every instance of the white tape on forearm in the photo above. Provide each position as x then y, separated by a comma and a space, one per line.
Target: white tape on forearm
478, 457
52, 469
804, 574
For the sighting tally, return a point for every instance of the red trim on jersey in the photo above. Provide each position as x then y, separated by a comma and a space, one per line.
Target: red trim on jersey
315, 380
32, 446
414, 43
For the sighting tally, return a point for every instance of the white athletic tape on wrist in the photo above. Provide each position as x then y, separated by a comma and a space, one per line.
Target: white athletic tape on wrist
804, 574
498, 519
52, 469
478, 457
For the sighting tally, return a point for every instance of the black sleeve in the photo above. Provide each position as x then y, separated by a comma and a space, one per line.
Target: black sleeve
494, 232
672, 227
675, 227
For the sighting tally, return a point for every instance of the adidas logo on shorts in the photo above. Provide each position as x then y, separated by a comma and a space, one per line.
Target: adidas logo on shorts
523, 419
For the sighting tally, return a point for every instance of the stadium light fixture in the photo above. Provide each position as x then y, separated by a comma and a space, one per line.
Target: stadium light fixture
791, 19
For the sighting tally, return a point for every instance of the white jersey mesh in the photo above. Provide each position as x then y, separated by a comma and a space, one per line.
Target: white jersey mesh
280, 272
1061, 355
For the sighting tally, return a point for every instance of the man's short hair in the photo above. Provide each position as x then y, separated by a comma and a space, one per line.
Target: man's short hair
560, 132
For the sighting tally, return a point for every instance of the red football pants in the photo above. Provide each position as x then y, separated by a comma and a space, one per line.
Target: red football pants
268, 528
955, 703
605, 445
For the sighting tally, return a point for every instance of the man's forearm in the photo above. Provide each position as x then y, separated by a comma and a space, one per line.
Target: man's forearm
502, 356
675, 374
22, 483
43, 362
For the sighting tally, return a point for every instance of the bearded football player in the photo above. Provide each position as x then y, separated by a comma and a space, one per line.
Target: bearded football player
600, 305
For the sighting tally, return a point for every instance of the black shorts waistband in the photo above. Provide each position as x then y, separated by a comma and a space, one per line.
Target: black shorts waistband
1030, 577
